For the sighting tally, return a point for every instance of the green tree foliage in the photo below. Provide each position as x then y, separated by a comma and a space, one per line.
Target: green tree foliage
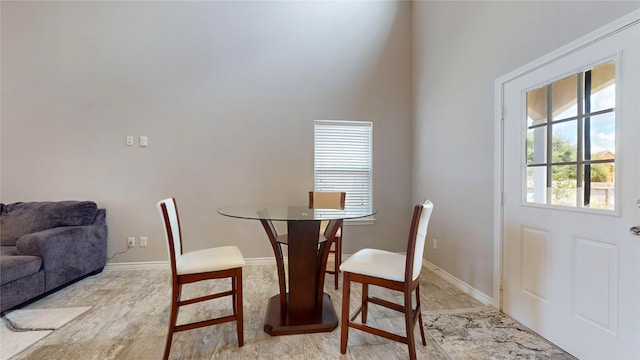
599, 172
564, 151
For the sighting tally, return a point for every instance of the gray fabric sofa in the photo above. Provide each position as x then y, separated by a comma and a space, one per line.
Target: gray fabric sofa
47, 245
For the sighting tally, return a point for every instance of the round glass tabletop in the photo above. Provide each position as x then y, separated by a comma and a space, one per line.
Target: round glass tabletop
284, 212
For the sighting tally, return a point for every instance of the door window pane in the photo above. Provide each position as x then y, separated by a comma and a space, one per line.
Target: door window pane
564, 185
537, 106
601, 192
537, 145
577, 145
565, 142
564, 98
537, 184
602, 137
602, 88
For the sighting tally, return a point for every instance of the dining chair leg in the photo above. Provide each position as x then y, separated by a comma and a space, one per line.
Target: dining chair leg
419, 315
344, 326
408, 320
365, 302
337, 261
238, 305
234, 291
173, 317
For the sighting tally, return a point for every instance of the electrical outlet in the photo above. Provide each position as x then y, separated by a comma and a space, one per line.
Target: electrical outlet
132, 241
143, 241
435, 243
129, 140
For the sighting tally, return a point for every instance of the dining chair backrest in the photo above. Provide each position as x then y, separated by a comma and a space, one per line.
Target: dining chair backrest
327, 200
169, 213
417, 238
332, 228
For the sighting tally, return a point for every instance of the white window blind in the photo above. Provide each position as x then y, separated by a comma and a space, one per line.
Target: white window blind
342, 160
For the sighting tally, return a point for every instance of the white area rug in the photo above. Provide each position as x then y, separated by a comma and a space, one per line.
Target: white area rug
22, 328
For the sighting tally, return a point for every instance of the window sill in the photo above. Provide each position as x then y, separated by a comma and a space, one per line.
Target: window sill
369, 220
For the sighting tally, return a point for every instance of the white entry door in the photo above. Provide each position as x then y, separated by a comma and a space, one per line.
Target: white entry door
571, 194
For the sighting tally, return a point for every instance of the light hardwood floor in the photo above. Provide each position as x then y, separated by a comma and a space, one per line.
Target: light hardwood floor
129, 314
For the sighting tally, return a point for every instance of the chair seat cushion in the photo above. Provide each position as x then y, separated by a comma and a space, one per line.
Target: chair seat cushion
212, 259
378, 263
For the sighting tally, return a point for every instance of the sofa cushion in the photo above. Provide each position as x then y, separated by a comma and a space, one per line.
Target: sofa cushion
8, 251
23, 218
18, 266
18, 291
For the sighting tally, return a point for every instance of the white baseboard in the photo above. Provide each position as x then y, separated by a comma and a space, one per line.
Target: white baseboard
261, 261
164, 265
146, 265
459, 284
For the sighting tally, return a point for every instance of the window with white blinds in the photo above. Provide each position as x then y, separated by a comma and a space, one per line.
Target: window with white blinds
342, 160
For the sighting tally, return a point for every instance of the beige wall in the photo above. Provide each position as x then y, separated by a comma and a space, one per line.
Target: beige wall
226, 93
459, 49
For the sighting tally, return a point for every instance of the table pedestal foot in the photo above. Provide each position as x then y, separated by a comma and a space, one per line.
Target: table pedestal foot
322, 321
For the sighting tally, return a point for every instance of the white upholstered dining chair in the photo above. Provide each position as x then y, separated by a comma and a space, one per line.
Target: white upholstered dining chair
392, 271
212, 263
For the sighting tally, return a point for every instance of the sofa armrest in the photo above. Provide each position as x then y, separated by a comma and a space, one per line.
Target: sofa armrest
67, 252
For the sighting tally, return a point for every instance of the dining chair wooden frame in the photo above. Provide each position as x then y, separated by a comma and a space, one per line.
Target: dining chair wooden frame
331, 200
229, 267
409, 285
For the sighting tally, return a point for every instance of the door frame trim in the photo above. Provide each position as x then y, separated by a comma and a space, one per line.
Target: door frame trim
498, 239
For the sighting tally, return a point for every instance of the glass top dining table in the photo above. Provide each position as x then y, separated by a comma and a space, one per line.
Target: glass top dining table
301, 306
285, 212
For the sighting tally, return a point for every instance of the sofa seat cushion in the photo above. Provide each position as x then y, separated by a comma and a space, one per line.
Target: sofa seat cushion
23, 218
8, 251
13, 267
